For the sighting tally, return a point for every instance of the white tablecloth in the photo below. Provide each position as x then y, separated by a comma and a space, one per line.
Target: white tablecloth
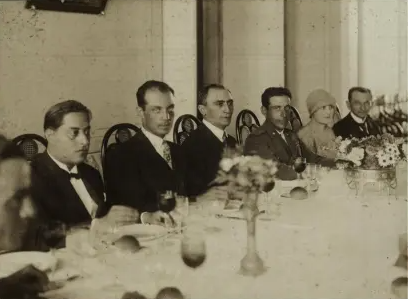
332, 245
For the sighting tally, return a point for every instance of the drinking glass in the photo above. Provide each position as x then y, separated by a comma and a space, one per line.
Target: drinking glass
54, 234
193, 247
299, 165
182, 210
166, 201
311, 171
102, 234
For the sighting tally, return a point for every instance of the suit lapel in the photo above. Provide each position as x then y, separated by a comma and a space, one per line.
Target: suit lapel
69, 197
84, 177
152, 156
278, 141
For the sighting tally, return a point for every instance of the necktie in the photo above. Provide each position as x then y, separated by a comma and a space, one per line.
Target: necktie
224, 139
167, 154
282, 135
364, 128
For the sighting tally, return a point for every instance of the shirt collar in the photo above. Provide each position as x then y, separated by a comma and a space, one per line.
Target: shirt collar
357, 119
62, 165
216, 131
155, 140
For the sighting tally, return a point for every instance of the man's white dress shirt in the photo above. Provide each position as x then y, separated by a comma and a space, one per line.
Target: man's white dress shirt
79, 187
216, 131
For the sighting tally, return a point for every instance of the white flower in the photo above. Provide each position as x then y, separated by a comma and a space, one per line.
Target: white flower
226, 164
343, 145
356, 155
391, 149
386, 159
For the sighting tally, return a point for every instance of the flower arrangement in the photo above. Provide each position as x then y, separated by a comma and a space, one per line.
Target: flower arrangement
247, 173
373, 152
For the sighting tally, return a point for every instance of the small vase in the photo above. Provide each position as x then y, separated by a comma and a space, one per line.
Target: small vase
251, 264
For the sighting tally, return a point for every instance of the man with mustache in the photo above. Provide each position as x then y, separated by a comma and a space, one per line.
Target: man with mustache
203, 149
145, 167
357, 124
65, 190
273, 141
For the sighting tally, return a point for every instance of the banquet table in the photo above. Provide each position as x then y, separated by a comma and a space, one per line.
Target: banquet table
335, 244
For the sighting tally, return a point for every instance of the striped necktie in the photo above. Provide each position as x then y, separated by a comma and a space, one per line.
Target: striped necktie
224, 139
167, 154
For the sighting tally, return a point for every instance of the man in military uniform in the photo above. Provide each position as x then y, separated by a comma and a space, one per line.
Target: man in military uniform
273, 141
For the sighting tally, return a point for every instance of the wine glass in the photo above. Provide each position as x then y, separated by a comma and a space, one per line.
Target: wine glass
299, 165
166, 201
54, 234
102, 233
182, 209
213, 207
193, 248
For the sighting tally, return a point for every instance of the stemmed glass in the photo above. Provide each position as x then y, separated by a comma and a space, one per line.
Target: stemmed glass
299, 165
193, 248
311, 170
167, 203
182, 209
54, 234
214, 207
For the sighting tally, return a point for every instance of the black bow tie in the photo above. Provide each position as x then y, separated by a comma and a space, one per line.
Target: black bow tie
71, 175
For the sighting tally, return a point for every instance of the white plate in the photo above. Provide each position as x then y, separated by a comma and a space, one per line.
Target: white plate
14, 261
143, 232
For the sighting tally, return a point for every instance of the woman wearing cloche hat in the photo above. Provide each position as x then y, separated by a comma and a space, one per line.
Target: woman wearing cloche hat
318, 135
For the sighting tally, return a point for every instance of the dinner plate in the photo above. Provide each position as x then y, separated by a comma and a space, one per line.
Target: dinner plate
143, 232
15, 261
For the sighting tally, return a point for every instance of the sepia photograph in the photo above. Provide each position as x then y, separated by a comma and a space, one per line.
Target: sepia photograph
197, 149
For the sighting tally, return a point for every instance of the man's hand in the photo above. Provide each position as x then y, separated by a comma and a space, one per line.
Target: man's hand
157, 218
122, 215
25, 283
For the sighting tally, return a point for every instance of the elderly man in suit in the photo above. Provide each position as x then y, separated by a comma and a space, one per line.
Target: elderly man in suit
204, 147
64, 188
273, 141
145, 167
357, 123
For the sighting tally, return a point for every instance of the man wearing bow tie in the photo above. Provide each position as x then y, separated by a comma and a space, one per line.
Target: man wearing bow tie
64, 188
357, 124
147, 166
204, 147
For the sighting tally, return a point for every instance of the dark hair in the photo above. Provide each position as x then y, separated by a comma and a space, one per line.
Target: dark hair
151, 85
273, 92
203, 93
358, 89
9, 150
55, 115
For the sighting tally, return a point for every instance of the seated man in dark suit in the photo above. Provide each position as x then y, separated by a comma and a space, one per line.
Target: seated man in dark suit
16, 210
146, 166
357, 123
273, 141
203, 149
65, 189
